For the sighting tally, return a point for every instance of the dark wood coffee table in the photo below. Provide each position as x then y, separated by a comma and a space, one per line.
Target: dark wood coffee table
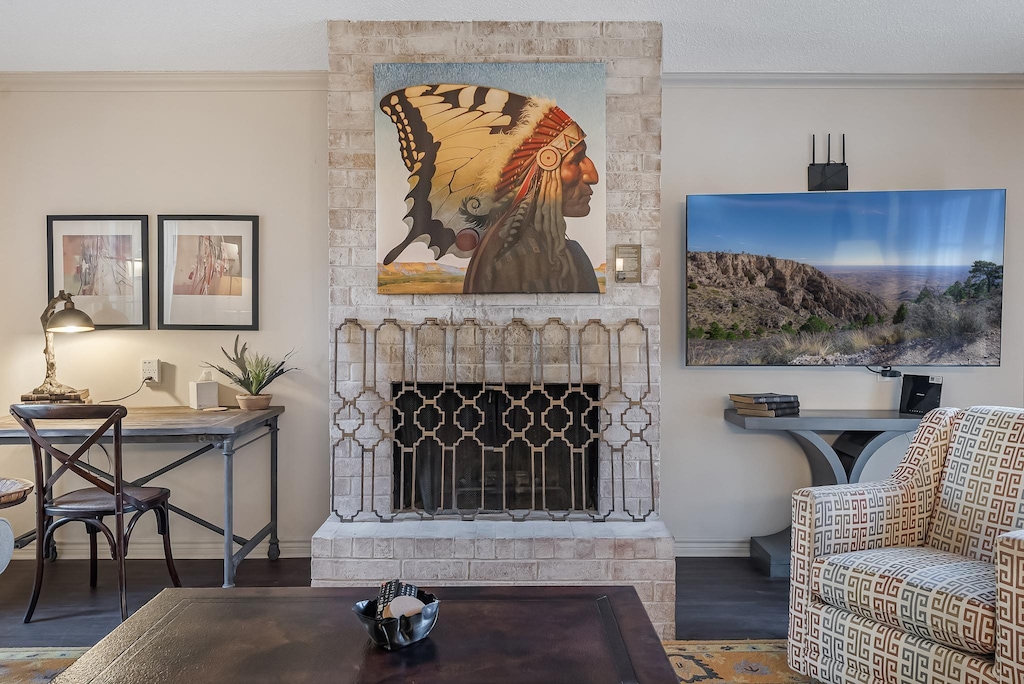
298, 635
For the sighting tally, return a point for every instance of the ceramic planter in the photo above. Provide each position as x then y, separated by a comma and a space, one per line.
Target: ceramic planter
253, 402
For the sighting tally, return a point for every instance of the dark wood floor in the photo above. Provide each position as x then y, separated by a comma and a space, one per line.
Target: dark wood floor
716, 598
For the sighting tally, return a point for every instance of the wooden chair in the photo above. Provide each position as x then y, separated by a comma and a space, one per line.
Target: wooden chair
92, 504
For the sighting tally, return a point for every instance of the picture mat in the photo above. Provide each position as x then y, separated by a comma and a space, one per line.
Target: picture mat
212, 310
106, 310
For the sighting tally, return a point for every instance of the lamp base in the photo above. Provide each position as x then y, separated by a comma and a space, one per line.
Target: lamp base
73, 397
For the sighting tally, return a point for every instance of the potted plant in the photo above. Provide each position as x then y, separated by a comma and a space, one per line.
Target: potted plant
255, 372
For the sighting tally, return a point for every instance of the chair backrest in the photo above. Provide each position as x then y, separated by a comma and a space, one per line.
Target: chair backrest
109, 417
981, 493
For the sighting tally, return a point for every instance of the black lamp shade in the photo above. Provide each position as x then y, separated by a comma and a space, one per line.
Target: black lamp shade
69, 320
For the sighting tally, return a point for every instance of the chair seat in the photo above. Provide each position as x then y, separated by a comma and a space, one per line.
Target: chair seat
94, 500
938, 595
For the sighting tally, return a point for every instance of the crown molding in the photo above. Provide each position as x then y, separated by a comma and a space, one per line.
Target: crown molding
162, 81
822, 80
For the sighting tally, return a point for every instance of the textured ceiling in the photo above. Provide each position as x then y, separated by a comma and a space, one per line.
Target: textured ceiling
832, 36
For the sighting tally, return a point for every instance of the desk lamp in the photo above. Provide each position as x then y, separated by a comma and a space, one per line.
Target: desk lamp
67, 320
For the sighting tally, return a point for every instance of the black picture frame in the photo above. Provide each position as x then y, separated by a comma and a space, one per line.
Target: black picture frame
207, 272
102, 260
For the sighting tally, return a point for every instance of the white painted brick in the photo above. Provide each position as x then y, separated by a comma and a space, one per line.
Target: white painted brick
465, 548
383, 548
485, 549
504, 570
425, 570
370, 570
645, 590
362, 547
404, 547
504, 549
572, 570
642, 570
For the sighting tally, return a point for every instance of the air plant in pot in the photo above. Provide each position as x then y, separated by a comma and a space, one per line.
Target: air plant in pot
255, 372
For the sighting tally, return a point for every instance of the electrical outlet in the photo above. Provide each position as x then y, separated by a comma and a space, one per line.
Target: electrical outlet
151, 371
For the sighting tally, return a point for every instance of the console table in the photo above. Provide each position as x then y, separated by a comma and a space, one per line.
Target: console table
228, 431
861, 434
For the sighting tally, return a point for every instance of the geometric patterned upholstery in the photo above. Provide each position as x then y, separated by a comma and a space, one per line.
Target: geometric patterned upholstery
920, 577
935, 594
982, 491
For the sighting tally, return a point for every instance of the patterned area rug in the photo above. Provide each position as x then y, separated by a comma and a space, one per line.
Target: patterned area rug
736, 662
32, 665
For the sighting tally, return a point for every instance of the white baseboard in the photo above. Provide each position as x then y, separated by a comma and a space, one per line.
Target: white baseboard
75, 550
720, 548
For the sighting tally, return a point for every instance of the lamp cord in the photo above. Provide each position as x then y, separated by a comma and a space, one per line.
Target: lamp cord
107, 401
886, 371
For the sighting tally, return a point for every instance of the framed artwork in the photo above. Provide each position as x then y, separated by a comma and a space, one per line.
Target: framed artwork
103, 262
207, 272
489, 178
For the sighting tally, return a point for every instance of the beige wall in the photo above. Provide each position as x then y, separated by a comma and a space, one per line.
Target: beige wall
150, 144
755, 137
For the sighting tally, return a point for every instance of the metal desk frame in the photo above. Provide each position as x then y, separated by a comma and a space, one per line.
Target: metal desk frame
862, 433
222, 430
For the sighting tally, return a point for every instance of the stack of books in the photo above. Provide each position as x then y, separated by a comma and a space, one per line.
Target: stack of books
766, 404
77, 397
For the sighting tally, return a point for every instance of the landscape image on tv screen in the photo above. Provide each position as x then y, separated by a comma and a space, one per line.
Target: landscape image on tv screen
910, 278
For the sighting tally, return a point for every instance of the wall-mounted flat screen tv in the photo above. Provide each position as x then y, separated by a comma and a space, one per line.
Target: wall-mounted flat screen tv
909, 278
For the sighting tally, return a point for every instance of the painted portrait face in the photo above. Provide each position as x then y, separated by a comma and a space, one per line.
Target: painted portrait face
578, 174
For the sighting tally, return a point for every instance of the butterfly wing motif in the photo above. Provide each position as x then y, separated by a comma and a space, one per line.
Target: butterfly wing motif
448, 135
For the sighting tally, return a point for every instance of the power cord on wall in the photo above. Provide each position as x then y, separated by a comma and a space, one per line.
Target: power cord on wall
144, 381
885, 372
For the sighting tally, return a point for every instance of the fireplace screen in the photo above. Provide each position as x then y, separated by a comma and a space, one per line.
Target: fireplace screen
543, 421
475, 448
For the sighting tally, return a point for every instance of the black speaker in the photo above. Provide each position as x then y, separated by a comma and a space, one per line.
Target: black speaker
921, 394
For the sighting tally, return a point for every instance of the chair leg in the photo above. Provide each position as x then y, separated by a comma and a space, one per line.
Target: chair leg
41, 539
122, 576
92, 555
163, 524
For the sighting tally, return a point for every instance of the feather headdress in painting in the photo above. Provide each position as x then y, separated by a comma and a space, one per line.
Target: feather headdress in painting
470, 151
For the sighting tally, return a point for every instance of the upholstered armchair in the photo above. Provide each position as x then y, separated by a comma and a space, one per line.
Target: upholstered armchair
918, 578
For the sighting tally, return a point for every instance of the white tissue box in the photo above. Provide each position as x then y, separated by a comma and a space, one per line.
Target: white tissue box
202, 394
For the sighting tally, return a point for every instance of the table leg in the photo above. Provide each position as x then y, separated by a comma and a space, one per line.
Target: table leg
770, 553
274, 549
229, 513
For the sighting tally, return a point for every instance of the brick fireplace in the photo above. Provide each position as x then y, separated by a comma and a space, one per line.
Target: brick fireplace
375, 530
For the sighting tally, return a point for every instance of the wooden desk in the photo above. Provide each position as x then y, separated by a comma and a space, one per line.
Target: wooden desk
228, 431
861, 434
299, 635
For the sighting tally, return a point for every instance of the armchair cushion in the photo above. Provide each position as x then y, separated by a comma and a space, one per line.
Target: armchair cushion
934, 594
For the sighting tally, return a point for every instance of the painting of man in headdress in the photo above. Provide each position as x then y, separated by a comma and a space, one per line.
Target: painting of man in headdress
499, 188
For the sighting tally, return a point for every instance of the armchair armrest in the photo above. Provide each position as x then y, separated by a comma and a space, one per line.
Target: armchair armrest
856, 517
1010, 606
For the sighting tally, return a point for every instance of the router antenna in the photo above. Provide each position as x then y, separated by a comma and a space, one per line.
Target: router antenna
844, 148
828, 150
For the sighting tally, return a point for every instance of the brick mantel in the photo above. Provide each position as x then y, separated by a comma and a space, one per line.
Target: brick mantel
631, 52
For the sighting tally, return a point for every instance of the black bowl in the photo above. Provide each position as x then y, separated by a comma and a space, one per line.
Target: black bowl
395, 633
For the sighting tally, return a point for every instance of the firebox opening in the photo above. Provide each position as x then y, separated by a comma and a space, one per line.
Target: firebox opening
491, 448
